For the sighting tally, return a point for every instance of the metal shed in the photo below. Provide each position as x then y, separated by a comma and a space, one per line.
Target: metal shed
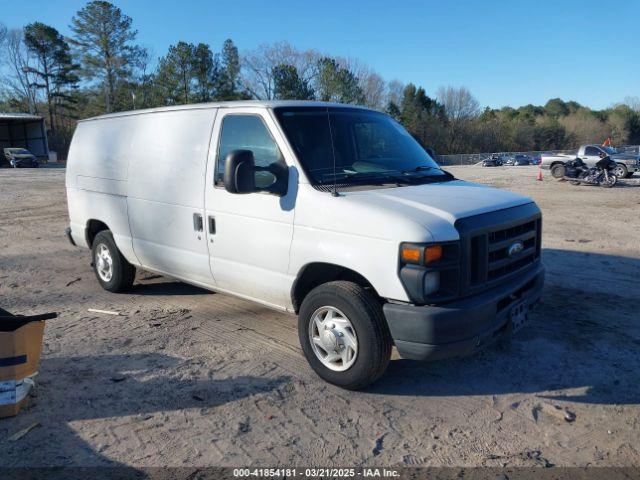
24, 130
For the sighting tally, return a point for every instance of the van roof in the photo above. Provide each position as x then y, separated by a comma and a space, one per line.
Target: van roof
230, 104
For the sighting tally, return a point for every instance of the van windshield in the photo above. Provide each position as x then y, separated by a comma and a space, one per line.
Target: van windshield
368, 147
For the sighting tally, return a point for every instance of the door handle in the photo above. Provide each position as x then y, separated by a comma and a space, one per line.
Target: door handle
197, 222
212, 224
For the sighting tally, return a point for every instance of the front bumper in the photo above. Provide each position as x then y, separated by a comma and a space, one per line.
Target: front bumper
461, 327
23, 163
67, 232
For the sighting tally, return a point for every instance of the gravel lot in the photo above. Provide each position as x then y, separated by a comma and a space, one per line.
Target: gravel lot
185, 377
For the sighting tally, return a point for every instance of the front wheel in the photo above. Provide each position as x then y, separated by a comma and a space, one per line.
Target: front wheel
621, 170
344, 335
607, 182
113, 271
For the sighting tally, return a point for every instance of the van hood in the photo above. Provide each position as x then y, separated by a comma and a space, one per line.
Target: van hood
436, 206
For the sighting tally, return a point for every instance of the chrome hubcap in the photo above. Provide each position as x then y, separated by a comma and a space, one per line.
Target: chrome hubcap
104, 263
333, 338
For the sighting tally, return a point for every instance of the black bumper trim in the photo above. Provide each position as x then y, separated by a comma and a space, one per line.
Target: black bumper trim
461, 327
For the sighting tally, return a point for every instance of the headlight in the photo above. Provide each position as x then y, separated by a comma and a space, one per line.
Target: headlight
420, 254
430, 271
431, 282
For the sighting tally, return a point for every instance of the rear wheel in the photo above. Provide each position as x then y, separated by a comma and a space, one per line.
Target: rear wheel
558, 170
113, 271
344, 335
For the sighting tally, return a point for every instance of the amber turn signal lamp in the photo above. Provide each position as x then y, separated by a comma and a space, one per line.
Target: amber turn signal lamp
411, 254
432, 253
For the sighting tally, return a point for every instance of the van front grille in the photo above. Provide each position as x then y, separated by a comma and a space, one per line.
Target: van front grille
497, 245
495, 256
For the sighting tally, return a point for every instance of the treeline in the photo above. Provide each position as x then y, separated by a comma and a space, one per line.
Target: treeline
100, 69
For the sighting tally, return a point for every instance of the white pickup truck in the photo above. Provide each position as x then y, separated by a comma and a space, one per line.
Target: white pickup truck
331, 212
628, 163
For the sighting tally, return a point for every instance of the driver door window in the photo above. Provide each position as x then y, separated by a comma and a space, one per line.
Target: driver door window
247, 132
591, 152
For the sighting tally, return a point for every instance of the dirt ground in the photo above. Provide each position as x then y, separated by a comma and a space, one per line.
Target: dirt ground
185, 377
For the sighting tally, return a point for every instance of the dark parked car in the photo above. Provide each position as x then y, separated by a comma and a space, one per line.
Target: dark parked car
20, 157
492, 161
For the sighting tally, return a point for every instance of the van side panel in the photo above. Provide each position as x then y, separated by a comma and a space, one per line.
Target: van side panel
168, 157
96, 180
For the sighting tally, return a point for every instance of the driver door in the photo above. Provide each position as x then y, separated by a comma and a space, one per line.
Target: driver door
591, 156
249, 235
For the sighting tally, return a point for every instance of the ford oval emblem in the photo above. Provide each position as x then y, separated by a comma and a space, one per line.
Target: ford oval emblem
515, 248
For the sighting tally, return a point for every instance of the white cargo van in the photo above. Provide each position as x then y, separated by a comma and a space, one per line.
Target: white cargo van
328, 211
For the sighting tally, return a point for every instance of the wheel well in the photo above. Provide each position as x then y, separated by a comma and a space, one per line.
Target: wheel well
315, 274
557, 162
93, 228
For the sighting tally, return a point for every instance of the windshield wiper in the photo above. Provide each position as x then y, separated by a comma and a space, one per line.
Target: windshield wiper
398, 177
420, 168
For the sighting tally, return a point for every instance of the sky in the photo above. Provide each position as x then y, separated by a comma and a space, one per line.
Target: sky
505, 52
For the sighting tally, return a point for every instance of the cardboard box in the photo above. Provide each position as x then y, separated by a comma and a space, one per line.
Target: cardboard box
13, 395
20, 348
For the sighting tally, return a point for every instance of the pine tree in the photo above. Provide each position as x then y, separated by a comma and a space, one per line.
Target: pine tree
228, 81
205, 69
103, 36
289, 86
335, 83
54, 71
176, 73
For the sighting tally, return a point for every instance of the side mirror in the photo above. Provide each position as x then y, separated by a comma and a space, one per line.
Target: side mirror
239, 172
431, 152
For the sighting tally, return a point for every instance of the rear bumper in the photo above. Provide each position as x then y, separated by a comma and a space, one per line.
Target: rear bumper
462, 327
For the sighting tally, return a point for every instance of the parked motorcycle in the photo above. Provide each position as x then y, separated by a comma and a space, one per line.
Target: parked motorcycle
577, 172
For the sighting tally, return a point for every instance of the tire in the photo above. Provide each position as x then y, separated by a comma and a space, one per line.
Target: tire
612, 181
558, 171
363, 311
621, 170
116, 275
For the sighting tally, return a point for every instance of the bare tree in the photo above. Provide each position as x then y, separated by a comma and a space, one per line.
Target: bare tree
18, 62
395, 91
632, 102
460, 108
584, 126
258, 67
374, 88
458, 103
